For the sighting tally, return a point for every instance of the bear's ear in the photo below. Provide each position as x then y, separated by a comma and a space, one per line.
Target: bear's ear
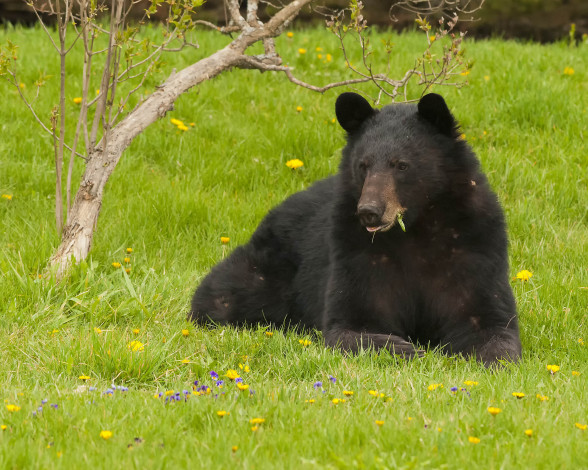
433, 108
352, 110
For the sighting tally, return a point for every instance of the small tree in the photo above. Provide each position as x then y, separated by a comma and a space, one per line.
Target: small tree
105, 128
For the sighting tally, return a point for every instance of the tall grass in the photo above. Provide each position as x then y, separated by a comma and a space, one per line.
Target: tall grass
176, 193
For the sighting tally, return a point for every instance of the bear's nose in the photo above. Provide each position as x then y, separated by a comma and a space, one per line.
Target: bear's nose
369, 214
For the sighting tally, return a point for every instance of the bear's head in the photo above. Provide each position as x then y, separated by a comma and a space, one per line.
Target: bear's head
398, 159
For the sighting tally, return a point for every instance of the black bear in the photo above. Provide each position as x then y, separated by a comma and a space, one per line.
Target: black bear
405, 245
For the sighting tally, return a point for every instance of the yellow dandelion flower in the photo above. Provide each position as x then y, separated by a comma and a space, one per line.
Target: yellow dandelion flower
195, 392
304, 342
232, 374
116, 265
333, 120
470, 383
336, 401
129, 250
518, 394
185, 332
329, 57
542, 397
581, 426
379, 423
176, 122
373, 393
524, 275
98, 331
136, 346
474, 440
186, 361
269, 333
298, 109
77, 100
127, 260
3, 427
581, 341
12, 408
552, 368
182, 127
465, 73
225, 240
432, 38
568, 71
493, 410
294, 164
486, 77
136, 331
254, 428
22, 86
222, 413
257, 421
319, 56
347, 393
234, 448
105, 435
128, 270
463, 137
434, 387
301, 51
290, 34
7, 197
242, 386
84, 377
529, 432
169, 393
192, 124
575, 373
309, 401
409, 418
318, 49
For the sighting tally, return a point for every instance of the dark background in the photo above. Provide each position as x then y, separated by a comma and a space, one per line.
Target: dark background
538, 20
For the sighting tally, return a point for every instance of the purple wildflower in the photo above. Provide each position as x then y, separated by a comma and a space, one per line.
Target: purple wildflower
40, 409
123, 389
453, 389
332, 379
91, 389
195, 383
186, 392
44, 401
317, 385
219, 383
214, 375
54, 406
238, 380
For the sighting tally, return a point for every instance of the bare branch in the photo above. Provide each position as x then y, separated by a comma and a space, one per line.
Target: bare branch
236, 18
220, 29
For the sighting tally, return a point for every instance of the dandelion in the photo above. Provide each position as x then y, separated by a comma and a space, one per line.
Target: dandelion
494, 410
336, 401
379, 423
77, 100
136, 331
183, 127
432, 38
463, 137
242, 386
542, 397
257, 421
294, 164
225, 240
434, 387
304, 342
373, 393
232, 374
552, 368
176, 122
470, 383
169, 393
22, 86
529, 432
105, 435
465, 73
234, 448
269, 333
8, 197
329, 57
487, 77
116, 265
127, 260
580, 341
298, 109
98, 331
84, 377
319, 56
301, 51
12, 408
192, 124
186, 361
290, 34
136, 346
568, 71
474, 440
524, 275
222, 413
3, 427
129, 250
128, 270
575, 373
518, 395
581, 426
347, 393
185, 332
254, 428
312, 400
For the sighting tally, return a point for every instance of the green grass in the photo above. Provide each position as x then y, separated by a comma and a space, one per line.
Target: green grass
175, 194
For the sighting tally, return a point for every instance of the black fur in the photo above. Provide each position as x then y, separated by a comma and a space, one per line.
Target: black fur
311, 262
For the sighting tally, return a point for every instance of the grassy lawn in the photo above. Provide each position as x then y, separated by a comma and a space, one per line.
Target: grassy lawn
176, 193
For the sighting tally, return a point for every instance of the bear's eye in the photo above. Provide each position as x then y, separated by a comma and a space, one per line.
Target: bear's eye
363, 166
402, 166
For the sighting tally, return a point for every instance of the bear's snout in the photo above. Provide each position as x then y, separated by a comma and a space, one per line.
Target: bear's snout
378, 205
370, 214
